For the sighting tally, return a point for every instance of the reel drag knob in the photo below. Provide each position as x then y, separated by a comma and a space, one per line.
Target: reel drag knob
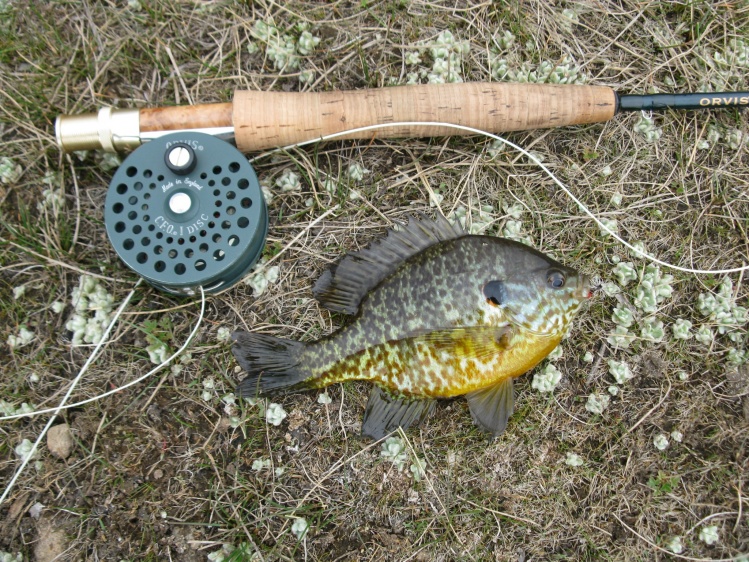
186, 210
180, 158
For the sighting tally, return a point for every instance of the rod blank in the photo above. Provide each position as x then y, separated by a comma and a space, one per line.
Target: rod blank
657, 102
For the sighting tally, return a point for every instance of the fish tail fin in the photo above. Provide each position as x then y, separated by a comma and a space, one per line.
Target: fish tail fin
273, 364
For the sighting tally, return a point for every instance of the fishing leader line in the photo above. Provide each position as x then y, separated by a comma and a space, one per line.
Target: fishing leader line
532, 158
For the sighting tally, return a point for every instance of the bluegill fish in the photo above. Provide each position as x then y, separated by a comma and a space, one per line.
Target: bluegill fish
436, 314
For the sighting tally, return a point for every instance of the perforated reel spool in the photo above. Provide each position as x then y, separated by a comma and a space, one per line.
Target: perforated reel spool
186, 210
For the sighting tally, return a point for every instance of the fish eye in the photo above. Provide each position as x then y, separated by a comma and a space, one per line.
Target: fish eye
556, 279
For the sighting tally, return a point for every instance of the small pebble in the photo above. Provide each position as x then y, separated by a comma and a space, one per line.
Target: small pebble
60, 441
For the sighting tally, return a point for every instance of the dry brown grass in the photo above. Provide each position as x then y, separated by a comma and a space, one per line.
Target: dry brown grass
158, 473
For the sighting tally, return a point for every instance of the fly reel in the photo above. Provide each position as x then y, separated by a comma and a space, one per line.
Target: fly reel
186, 210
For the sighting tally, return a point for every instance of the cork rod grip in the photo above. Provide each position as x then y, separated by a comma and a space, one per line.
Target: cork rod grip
269, 119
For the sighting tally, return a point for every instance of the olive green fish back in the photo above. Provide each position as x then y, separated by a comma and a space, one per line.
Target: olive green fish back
342, 287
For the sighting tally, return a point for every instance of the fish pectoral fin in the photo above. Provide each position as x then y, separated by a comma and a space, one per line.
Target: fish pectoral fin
491, 407
477, 342
385, 413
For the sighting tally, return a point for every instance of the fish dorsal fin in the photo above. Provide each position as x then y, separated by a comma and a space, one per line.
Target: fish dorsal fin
491, 407
386, 413
343, 286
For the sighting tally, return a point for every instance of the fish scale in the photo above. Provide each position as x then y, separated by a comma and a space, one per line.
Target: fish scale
423, 326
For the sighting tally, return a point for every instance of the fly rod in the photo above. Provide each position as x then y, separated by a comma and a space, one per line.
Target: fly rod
261, 120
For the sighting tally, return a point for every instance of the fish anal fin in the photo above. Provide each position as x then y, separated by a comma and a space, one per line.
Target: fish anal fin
385, 413
343, 286
491, 407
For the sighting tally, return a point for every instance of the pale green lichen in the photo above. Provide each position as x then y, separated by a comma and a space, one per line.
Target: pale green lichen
564, 72
262, 276
394, 450
704, 335
637, 250
418, 469
675, 546
53, 200
259, 465
307, 76
597, 403
721, 308
681, 329
610, 288
10, 172
709, 534
356, 171
547, 379
221, 555
275, 414
24, 337
608, 227
299, 527
93, 309
736, 357
573, 460
620, 338
623, 317
223, 334
624, 273
413, 58
447, 53
289, 181
660, 442
652, 329
504, 40
474, 221
647, 128
620, 371
8, 409
307, 43
25, 450
158, 352
654, 288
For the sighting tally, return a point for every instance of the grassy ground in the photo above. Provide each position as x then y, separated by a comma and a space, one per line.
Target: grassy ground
159, 472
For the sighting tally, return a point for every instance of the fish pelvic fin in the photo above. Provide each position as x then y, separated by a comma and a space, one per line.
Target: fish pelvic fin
386, 413
491, 407
343, 286
273, 364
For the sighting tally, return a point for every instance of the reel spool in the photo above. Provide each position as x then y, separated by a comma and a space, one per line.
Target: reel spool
186, 210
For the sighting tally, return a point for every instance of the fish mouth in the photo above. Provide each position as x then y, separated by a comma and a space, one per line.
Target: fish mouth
586, 288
